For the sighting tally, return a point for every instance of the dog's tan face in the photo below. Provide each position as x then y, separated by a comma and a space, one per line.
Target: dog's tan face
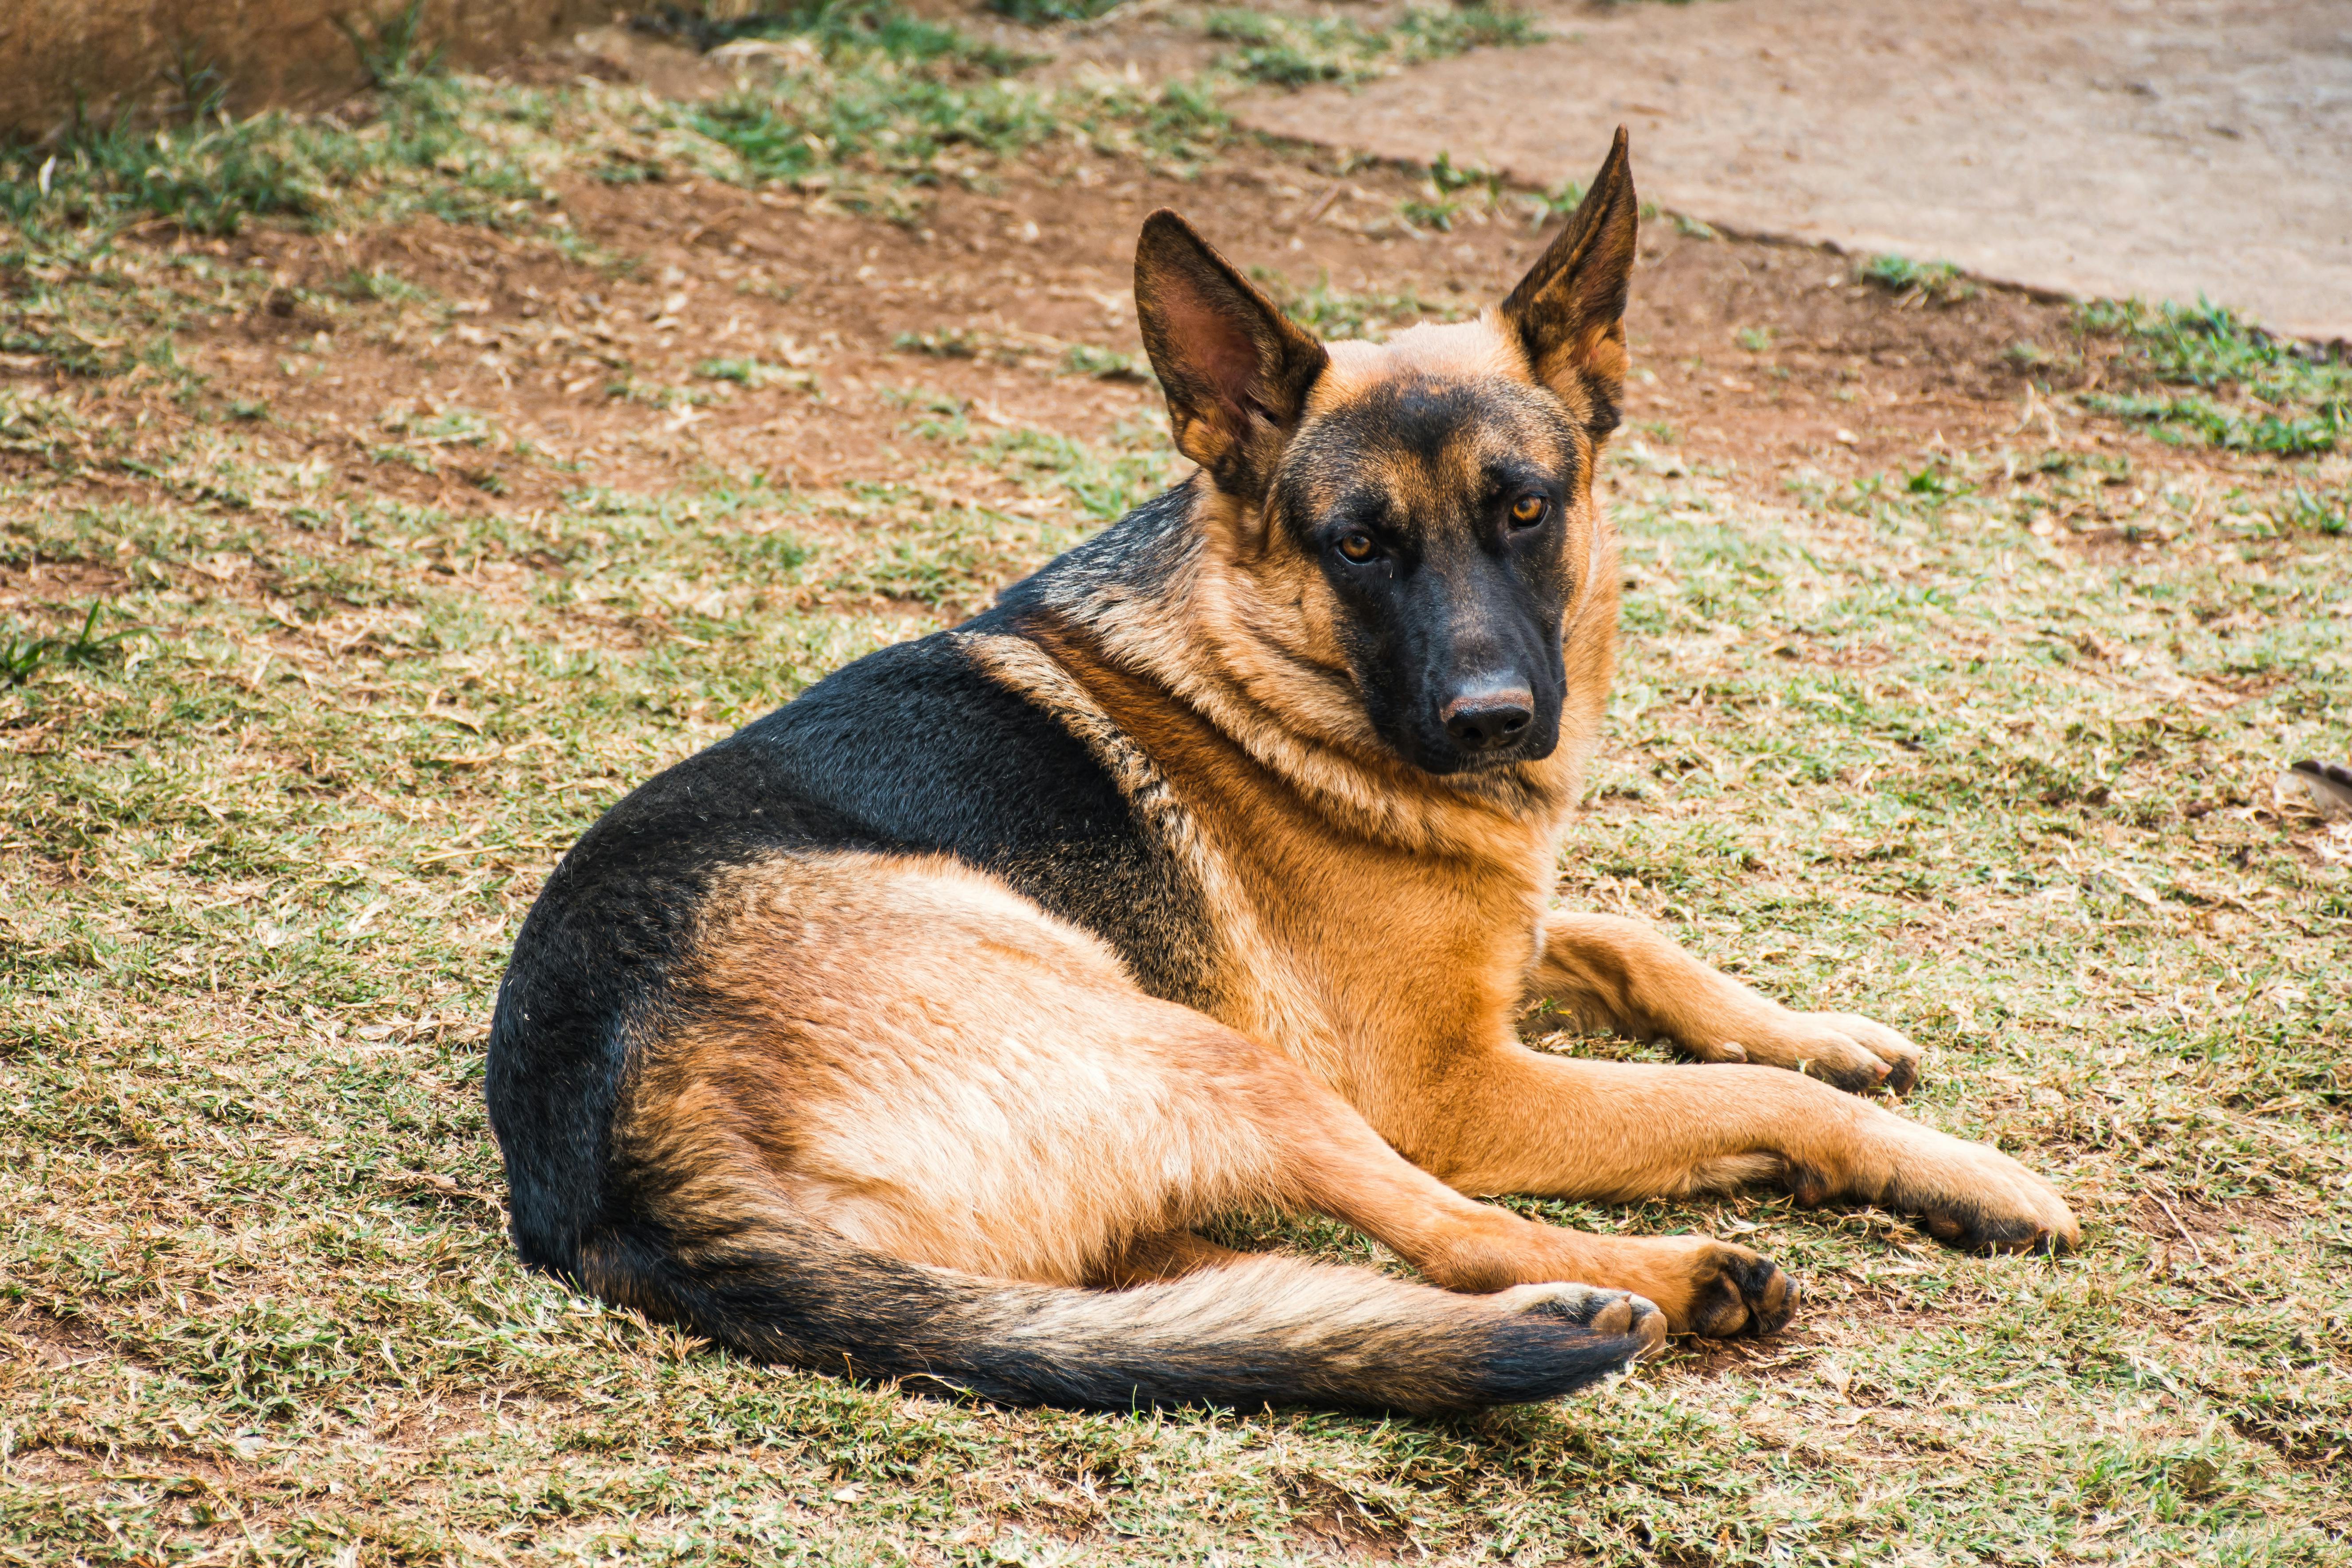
1423, 507
1443, 498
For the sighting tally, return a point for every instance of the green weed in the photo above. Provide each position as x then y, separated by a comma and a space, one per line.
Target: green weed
873, 120
1104, 364
2322, 511
2255, 392
1103, 482
1291, 51
1040, 12
23, 653
755, 373
952, 342
1938, 281
213, 179
843, 31
389, 45
1443, 195
2193, 416
1332, 313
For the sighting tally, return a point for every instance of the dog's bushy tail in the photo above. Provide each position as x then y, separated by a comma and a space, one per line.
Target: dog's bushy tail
1264, 1330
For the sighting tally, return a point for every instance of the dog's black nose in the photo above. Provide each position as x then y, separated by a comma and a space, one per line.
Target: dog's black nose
1480, 721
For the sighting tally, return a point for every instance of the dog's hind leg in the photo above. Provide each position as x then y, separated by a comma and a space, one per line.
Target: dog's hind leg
892, 1080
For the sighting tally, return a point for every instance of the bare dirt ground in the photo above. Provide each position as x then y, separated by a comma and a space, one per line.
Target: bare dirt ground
1851, 372
2104, 148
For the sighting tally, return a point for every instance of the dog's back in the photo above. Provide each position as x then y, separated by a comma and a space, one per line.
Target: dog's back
913, 748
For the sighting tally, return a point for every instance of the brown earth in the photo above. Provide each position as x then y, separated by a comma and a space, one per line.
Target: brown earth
1757, 355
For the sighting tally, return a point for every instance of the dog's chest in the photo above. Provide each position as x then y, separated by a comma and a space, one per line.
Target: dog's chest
1354, 958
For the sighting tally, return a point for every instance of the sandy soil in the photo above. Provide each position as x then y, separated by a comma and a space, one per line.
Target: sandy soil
2097, 147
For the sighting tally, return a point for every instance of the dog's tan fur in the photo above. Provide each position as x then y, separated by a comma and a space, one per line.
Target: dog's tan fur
925, 1062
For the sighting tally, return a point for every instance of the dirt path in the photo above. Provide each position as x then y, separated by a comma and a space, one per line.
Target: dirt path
2098, 147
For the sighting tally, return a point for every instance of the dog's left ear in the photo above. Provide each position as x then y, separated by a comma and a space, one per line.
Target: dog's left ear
1236, 370
1569, 312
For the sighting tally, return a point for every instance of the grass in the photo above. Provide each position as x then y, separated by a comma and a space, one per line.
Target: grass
2253, 391
1350, 313
23, 653
1981, 745
1281, 51
1936, 282
755, 373
867, 28
882, 107
1042, 13
2219, 380
212, 175
258, 887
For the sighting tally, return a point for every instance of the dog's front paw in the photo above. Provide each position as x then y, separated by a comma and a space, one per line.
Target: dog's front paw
1711, 1287
1845, 1049
1968, 1195
1736, 1291
2001, 1208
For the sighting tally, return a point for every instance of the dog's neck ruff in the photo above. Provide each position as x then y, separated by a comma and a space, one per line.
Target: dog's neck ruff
1155, 596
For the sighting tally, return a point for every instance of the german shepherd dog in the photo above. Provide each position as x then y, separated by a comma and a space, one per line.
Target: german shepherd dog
915, 1029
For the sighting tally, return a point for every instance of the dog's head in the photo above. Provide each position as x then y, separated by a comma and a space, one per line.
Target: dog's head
1414, 519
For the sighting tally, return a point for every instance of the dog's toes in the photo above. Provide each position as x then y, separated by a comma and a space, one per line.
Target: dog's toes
2020, 1222
1611, 1312
1842, 1049
1680, 1285
1898, 1059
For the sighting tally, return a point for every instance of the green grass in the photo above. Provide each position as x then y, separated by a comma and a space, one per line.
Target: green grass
1042, 13
870, 28
1940, 282
1280, 50
1875, 746
433, 148
2253, 392
884, 107
1332, 313
22, 653
755, 373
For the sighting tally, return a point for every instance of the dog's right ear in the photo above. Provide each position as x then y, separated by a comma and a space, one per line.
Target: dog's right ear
1236, 370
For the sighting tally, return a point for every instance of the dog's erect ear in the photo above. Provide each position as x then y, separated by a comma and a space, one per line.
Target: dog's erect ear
1235, 369
1568, 311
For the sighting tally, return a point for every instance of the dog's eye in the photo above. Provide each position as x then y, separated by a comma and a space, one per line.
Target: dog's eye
1529, 510
1356, 545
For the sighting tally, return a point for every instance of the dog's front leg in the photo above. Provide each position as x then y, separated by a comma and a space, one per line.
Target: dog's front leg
1622, 974
1504, 1118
